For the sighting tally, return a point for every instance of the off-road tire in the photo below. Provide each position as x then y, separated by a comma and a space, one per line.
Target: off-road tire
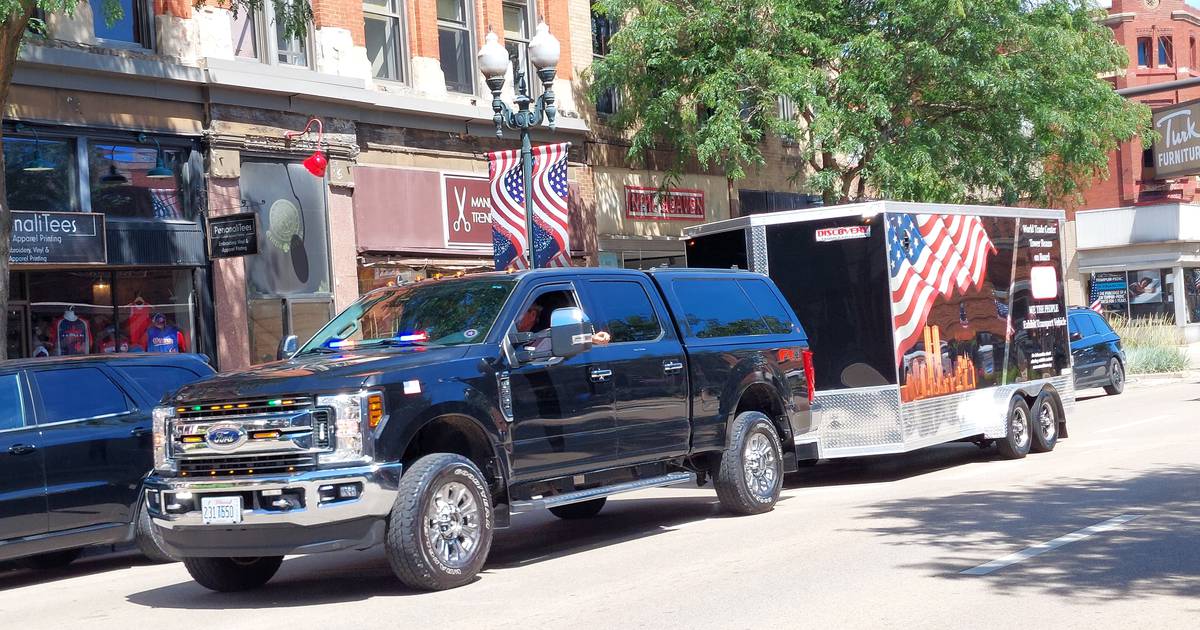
1116, 377
1017, 439
229, 575
50, 561
583, 509
732, 477
410, 550
148, 541
1044, 437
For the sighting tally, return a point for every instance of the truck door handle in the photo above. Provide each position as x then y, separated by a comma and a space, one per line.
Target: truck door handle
672, 366
601, 375
22, 449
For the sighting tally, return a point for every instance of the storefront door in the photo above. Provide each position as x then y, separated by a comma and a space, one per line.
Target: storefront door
275, 318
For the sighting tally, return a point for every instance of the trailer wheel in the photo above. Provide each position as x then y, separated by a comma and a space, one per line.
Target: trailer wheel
1015, 443
1044, 420
440, 529
750, 473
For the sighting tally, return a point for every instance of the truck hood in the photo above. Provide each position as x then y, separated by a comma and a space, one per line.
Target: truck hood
313, 374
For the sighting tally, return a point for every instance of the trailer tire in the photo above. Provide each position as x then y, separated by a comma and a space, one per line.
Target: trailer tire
229, 575
440, 529
1044, 423
749, 476
1116, 377
1016, 441
583, 509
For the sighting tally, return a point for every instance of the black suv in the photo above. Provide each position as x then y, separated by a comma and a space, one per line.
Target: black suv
75, 445
1096, 349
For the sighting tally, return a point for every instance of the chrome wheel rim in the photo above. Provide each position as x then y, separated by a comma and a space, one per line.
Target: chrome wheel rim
760, 466
452, 522
1020, 427
1047, 421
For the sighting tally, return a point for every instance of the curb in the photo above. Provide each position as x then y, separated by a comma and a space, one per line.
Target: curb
1163, 376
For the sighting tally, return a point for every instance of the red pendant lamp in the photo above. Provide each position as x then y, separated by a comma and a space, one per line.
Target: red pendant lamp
317, 162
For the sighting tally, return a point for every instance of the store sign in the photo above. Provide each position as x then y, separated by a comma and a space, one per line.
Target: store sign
1177, 149
467, 211
673, 204
1109, 287
825, 235
52, 238
233, 235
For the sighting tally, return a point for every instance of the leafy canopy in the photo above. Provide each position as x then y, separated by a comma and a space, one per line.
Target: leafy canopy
932, 100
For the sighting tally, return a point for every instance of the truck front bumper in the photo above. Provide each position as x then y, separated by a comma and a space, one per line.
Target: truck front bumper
292, 514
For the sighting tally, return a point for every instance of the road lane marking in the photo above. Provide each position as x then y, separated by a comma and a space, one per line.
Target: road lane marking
1134, 424
1039, 549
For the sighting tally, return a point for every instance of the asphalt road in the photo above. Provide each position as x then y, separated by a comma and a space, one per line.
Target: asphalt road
867, 543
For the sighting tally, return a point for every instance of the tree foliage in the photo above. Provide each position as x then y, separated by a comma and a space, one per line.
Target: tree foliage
931, 100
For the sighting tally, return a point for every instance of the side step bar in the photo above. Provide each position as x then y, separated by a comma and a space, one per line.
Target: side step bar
579, 496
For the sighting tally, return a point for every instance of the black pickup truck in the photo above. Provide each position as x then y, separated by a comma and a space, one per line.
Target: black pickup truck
424, 416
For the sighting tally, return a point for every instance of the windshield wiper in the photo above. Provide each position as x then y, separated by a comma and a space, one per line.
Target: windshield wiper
321, 350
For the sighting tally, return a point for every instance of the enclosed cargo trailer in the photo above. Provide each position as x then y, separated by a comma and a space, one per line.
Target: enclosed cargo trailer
928, 323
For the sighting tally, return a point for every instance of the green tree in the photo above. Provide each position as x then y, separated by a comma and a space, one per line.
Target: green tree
929, 100
18, 22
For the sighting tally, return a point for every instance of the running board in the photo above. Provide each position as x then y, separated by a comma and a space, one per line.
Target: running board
579, 496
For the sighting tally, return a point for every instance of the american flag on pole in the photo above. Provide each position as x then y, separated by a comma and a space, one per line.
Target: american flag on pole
931, 255
551, 242
1097, 306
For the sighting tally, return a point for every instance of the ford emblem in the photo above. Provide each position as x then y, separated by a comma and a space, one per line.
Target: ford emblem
225, 437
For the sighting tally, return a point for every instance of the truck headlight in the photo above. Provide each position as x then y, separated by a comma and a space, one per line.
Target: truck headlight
354, 415
160, 424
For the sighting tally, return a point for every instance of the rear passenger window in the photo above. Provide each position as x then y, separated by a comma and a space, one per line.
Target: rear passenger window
716, 307
624, 311
774, 315
78, 393
12, 412
1083, 324
159, 380
1101, 326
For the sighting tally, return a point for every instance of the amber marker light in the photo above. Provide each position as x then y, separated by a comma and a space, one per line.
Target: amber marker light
374, 409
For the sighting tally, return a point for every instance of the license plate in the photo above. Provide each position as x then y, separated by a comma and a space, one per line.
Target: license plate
221, 510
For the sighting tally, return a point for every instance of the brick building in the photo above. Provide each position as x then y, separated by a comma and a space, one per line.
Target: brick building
177, 114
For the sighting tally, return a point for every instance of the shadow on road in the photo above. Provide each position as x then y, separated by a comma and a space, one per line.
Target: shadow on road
1156, 555
877, 468
13, 575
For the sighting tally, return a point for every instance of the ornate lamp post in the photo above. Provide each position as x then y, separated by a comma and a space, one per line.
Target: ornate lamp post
494, 61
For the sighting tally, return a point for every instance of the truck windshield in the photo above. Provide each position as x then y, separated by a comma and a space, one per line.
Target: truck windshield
444, 313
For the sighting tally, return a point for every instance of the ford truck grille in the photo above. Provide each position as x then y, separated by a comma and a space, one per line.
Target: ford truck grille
241, 407
259, 464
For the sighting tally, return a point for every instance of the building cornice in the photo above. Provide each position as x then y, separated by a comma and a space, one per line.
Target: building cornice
1185, 16
1114, 19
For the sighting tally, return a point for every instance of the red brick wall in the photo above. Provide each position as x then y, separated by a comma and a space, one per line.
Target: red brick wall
422, 28
347, 14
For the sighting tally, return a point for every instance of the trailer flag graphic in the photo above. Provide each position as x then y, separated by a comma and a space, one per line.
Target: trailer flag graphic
551, 242
931, 255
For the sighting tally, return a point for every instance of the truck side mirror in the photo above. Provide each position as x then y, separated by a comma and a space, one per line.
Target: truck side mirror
287, 347
570, 332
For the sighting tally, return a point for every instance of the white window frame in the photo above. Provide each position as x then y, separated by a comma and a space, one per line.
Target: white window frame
615, 94
398, 12
266, 46
469, 29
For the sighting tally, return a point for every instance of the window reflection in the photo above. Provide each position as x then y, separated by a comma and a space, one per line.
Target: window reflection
40, 191
123, 182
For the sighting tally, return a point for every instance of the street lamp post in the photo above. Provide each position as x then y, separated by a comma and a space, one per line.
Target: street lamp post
543, 50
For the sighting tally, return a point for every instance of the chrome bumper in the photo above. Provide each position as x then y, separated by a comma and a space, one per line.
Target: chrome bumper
376, 494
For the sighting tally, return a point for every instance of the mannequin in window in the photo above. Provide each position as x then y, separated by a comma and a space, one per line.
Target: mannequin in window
72, 334
162, 336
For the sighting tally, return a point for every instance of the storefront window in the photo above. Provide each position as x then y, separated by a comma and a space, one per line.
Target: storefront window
40, 190
132, 182
1191, 283
94, 312
1140, 293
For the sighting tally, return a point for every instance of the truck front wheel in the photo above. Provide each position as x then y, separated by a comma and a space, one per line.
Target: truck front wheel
440, 530
227, 575
750, 474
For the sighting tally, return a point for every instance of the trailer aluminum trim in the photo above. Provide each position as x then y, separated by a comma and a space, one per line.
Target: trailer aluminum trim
869, 209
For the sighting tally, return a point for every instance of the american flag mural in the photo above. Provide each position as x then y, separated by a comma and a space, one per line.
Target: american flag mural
931, 255
551, 242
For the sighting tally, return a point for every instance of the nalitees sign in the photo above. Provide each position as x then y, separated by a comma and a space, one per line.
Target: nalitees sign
51, 238
1177, 150
233, 235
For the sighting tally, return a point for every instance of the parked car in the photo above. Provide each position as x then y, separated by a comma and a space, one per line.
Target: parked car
75, 446
1099, 359
423, 416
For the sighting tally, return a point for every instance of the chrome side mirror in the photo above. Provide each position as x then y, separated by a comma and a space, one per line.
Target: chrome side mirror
570, 332
287, 347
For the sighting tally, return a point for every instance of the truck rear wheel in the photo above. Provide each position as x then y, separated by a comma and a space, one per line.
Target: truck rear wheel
228, 575
583, 509
1016, 441
440, 530
750, 474
1044, 420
